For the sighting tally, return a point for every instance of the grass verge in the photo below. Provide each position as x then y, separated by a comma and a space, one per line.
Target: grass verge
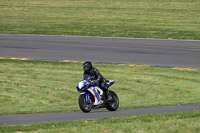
177, 19
42, 86
184, 122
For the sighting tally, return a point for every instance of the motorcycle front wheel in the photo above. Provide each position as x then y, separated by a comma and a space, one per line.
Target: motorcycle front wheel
85, 106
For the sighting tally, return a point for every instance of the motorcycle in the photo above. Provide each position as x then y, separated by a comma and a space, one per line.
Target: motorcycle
93, 97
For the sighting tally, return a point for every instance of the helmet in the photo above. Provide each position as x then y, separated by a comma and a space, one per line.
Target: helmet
87, 66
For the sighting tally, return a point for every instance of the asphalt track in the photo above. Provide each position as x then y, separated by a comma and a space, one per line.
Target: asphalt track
155, 52
74, 116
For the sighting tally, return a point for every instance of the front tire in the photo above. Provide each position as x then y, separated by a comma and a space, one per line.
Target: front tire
114, 103
85, 106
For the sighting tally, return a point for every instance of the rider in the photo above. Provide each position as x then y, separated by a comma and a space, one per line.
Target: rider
97, 77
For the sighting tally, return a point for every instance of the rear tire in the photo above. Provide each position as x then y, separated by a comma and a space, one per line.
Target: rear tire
84, 106
114, 103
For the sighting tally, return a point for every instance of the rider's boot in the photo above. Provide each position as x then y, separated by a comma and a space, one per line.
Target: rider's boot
107, 95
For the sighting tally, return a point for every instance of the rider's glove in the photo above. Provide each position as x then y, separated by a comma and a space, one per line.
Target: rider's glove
96, 81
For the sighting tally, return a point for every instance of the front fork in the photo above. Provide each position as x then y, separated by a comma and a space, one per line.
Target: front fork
86, 97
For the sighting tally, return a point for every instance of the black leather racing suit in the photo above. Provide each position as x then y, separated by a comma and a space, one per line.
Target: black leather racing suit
96, 75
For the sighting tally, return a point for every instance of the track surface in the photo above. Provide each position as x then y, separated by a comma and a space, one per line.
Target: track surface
156, 52
72, 116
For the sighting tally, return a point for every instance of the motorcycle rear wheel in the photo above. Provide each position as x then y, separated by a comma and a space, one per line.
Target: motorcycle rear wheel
114, 103
86, 107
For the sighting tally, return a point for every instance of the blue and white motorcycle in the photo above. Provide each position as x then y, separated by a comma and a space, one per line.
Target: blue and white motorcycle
92, 97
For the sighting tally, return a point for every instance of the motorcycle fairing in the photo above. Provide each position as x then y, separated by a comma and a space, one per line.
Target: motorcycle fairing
96, 95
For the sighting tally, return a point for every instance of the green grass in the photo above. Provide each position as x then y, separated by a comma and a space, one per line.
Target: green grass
187, 122
177, 19
42, 86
